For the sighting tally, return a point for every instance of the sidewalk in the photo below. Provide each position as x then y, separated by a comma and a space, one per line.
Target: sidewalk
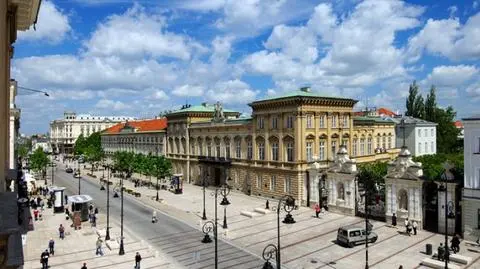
79, 245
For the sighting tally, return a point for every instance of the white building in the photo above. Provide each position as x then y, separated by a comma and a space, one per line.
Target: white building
64, 132
471, 190
14, 125
420, 135
41, 142
143, 136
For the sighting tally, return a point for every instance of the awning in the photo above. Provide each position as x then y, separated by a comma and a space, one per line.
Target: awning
80, 199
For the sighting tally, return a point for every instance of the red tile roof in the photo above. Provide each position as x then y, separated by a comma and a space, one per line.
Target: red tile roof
140, 126
458, 124
386, 112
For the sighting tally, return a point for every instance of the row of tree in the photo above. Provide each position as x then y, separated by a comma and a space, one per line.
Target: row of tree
128, 163
90, 149
427, 109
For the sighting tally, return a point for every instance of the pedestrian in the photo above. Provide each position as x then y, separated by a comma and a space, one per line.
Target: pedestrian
455, 244
35, 214
406, 225
66, 199
414, 226
394, 221
44, 259
99, 250
94, 220
61, 231
96, 210
154, 216
138, 258
84, 266
51, 246
317, 210
400, 267
441, 252
67, 214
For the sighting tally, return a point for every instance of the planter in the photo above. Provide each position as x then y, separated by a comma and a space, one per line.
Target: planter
129, 191
137, 194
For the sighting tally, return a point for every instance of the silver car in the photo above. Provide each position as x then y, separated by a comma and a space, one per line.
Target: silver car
352, 236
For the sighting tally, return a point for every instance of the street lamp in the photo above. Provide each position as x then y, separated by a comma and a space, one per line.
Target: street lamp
225, 203
287, 203
204, 216
33, 90
157, 187
122, 250
213, 225
107, 234
79, 177
448, 206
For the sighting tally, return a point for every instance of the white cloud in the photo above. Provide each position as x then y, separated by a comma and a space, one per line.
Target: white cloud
475, 4
203, 5
474, 91
72, 94
135, 34
451, 76
453, 11
188, 90
230, 92
158, 95
447, 37
111, 104
53, 25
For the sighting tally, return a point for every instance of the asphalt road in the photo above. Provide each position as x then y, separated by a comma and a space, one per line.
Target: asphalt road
175, 239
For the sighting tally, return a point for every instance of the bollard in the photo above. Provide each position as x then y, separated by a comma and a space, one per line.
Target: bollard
225, 233
267, 205
156, 254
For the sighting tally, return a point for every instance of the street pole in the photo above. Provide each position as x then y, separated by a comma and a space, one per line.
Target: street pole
366, 228
122, 250
157, 187
107, 234
279, 261
446, 222
79, 176
53, 173
204, 216
215, 231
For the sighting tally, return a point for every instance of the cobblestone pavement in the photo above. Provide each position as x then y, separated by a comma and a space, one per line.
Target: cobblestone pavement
309, 243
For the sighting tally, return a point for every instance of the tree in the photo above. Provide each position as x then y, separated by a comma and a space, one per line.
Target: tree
371, 175
39, 161
447, 133
22, 151
431, 105
433, 165
80, 145
162, 167
123, 162
93, 155
415, 104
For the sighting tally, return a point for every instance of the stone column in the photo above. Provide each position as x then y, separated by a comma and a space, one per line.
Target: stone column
394, 198
388, 200
411, 203
418, 204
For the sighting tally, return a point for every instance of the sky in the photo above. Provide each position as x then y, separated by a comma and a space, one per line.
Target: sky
140, 58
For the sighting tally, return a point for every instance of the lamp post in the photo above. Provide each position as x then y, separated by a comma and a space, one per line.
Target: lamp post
79, 177
204, 216
444, 188
213, 225
157, 187
53, 173
107, 234
121, 251
287, 202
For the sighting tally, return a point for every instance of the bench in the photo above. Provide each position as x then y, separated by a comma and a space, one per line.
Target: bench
457, 258
438, 264
261, 210
247, 214
471, 243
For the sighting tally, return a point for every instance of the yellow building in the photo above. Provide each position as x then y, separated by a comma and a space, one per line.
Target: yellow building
268, 153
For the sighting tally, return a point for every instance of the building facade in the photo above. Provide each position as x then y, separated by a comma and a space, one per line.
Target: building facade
268, 154
420, 135
41, 142
147, 137
14, 125
64, 132
471, 191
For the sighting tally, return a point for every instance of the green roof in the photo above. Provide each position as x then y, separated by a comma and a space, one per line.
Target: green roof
300, 93
373, 119
201, 108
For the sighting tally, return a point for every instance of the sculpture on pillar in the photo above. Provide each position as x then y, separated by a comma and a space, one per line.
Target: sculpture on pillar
218, 115
403, 200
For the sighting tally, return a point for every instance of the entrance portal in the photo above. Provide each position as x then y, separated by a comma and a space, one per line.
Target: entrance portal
430, 194
218, 175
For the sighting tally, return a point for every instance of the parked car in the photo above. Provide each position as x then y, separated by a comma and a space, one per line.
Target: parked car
69, 170
351, 236
76, 174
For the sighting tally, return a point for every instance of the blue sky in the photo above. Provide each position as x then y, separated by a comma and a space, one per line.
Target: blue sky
139, 58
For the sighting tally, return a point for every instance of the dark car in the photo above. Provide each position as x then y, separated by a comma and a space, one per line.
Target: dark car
69, 170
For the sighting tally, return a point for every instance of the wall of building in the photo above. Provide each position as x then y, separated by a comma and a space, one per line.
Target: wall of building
141, 142
472, 154
425, 136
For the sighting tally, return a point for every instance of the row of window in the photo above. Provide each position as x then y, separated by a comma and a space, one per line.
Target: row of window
115, 140
343, 121
272, 185
425, 132
422, 149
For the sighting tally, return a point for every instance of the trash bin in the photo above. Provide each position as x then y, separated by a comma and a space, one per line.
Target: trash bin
428, 249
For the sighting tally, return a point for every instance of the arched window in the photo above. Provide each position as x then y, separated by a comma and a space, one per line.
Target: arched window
289, 148
261, 148
274, 147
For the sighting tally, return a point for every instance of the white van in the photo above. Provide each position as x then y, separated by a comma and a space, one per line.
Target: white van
352, 236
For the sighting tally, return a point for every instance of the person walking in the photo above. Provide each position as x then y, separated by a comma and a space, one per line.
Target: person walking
317, 210
61, 232
455, 244
51, 246
414, 226
138, 258
84, 266
406, 226
394, 220
99, 250
44, 259
154, 216
94, 220
35, 214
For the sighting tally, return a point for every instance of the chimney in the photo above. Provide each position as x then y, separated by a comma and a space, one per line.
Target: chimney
305, 89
